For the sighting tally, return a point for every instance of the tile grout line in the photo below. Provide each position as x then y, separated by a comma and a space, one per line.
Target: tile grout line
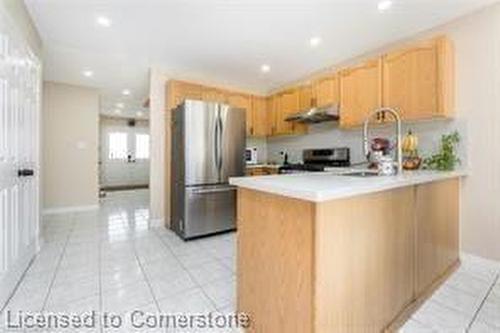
474, 318
101, 329
59, 263
200, 287
146, 279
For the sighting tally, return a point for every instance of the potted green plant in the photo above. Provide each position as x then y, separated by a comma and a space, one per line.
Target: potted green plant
446, 159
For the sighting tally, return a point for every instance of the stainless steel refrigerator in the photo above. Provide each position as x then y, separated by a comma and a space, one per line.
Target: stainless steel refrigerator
208, 147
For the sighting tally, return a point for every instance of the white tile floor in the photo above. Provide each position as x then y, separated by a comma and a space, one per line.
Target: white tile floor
112, 260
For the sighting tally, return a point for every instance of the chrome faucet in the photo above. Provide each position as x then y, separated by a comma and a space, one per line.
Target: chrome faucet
366, 142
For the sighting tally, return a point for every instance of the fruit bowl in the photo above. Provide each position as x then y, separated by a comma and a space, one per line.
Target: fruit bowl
412, 163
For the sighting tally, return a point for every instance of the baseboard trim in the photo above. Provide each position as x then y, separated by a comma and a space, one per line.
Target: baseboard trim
71, 209
156, 223
466, 257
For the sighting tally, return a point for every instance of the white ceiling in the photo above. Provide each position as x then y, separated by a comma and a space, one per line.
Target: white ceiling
220, 41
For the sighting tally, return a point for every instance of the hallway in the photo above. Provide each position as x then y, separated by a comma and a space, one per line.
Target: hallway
110, 260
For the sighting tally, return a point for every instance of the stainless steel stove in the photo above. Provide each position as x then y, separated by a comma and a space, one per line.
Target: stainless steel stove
317, 160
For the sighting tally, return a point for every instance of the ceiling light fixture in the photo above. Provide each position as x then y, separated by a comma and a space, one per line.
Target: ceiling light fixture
384, 5
88, 73
104, 21
126, 92
120, 105
315, 41
265, 68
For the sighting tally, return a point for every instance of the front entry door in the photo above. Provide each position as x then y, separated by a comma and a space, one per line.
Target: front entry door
20, 86
124, 156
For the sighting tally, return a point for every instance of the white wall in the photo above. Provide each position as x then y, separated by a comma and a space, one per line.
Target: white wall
477, 43
69, 146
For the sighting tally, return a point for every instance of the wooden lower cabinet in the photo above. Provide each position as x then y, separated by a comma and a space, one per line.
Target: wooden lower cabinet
261, 171
370, 276
437, 230
275, 262
346, 265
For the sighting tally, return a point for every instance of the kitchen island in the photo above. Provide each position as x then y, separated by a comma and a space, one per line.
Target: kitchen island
323, 252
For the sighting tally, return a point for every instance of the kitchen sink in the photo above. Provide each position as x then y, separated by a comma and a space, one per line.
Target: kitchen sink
363, 174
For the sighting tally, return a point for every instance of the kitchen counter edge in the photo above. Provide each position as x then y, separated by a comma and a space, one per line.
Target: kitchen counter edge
326, 186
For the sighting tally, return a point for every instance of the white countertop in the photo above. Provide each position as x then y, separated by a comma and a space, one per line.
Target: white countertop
324, 186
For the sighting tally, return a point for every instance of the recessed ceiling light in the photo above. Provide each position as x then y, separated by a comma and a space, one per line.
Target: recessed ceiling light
88, 73
384, 5
104, 21
120, 105
315, 41
139, 114
265, 68
118, 111
126, 92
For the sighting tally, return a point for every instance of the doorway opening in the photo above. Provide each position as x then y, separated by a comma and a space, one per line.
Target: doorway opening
124, 154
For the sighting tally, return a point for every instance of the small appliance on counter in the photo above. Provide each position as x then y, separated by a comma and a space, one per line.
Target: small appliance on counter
317, 160
251, 156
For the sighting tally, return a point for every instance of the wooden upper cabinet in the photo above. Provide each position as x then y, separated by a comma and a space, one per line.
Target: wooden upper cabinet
418, 80
272, 105
214, 95
325, 91
178, 91
437, 230
305, 97
360, 92
243, 101
260, 116
288, 104
240, 100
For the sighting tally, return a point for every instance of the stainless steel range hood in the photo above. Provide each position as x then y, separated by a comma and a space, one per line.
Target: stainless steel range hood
316, 115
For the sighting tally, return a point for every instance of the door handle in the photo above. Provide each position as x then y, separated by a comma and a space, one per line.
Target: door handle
25, 172
221, 133
214, 190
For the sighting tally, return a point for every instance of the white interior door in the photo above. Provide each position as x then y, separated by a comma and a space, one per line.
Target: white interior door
124, 155
20, 86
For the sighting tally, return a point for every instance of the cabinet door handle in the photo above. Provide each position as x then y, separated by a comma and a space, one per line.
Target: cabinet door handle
25, 172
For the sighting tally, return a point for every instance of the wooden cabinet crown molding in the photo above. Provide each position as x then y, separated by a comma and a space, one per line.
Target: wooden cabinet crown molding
417, 79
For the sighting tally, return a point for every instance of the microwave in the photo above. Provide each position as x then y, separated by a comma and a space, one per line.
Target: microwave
251, 155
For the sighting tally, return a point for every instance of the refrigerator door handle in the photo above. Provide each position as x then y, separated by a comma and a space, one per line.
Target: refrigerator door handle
214, 190
221, 132
217, 145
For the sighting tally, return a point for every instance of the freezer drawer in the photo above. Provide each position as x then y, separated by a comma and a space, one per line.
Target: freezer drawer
208, 210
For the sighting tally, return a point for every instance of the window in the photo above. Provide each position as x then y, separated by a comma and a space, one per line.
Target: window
142, 146
117, 149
